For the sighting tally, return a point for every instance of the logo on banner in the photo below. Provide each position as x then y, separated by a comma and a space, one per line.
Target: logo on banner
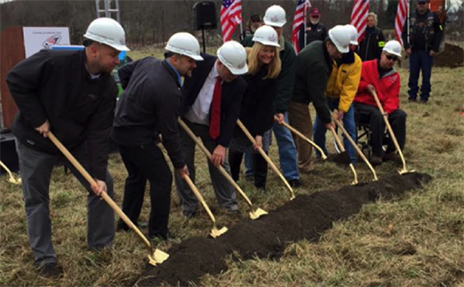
52, 40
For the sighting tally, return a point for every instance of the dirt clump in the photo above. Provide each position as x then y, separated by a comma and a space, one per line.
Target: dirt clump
305, 217
452, 57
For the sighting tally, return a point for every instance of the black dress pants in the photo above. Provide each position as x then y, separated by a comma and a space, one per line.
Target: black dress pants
372, 116
147, 162
259, 167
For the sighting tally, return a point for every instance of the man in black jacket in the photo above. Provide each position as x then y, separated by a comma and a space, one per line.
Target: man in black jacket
210, 107
314, 29
149, 107
72, 94
421, 42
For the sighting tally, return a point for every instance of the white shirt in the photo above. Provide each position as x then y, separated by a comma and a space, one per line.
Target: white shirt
199, 112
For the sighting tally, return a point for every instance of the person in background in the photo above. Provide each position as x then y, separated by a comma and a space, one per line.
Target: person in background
73, 95
257, 108
149, 107
341, 89
372, 44
254, 23
314, 31
210, 108
275, 17
422, 43
379, 76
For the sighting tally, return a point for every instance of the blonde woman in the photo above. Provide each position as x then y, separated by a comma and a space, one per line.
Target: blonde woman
371, 45
257, 107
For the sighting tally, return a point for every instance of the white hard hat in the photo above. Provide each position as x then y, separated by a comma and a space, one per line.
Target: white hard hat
266, 35
341, 38
393, 47
353, 34
107, 31
275, 16
233, 56
184, 43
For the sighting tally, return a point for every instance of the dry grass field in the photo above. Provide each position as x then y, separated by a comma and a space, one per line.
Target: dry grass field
415, 241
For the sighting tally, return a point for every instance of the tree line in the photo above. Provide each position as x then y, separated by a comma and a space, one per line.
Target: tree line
151, 22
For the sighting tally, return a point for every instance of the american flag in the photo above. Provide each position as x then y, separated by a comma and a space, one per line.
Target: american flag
401, 13
359, 17
231, 16
299, 20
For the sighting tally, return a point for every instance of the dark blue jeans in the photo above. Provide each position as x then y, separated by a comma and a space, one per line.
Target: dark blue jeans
420, 61
348, 123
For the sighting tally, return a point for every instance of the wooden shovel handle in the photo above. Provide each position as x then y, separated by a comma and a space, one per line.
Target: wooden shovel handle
208, 155
337, 139
389, 128
298, 133
355, 146
92, 182
199, 197
266, 157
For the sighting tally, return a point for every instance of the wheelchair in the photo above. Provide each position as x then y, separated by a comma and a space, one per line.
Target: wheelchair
363, 138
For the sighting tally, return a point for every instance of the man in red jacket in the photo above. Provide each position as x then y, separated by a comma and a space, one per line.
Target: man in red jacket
380, 77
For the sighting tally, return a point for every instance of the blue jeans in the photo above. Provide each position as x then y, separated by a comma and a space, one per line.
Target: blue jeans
287, 153
349, 125
420, 60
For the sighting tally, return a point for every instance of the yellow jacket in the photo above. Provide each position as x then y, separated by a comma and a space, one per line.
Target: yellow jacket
344, 80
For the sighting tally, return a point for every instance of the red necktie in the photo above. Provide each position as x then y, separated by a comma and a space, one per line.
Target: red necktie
215, 118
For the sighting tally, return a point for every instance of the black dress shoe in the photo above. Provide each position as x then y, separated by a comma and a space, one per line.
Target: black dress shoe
294, 183
51, 270
189, 214
168, 236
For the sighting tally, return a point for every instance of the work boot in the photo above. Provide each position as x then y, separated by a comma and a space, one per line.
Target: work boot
393, 156
375, 160
50, 270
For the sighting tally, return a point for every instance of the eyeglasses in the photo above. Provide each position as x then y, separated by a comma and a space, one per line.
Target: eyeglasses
421, 3
314, 16
391, 58
255, 21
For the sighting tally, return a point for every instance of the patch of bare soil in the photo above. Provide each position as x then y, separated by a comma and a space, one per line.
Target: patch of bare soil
305, 217
452, 57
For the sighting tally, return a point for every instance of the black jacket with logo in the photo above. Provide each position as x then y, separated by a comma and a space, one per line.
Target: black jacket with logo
313, 33
425, 32
55, 85
371, 46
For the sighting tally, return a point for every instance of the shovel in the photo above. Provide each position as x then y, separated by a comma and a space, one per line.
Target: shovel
392, 134
339, 143
254, 213
295, 131
156, 256
355, 146
215, 232
11, 179
266, 157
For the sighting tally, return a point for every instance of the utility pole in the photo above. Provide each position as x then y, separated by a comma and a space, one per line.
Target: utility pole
109, 7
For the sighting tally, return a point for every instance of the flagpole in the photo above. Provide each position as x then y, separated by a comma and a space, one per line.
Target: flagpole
407, 22
241, 31
304, 27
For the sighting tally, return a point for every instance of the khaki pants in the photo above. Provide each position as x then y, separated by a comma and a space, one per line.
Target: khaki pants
300, 118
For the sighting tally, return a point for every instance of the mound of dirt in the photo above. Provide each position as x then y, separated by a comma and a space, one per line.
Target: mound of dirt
305, 217
452, 57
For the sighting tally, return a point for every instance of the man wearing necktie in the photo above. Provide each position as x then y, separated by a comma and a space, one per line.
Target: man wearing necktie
210, 107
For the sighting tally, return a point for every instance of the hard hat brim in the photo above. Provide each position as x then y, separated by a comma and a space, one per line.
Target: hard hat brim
238, 72
195, 57
354, 43
274, 24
